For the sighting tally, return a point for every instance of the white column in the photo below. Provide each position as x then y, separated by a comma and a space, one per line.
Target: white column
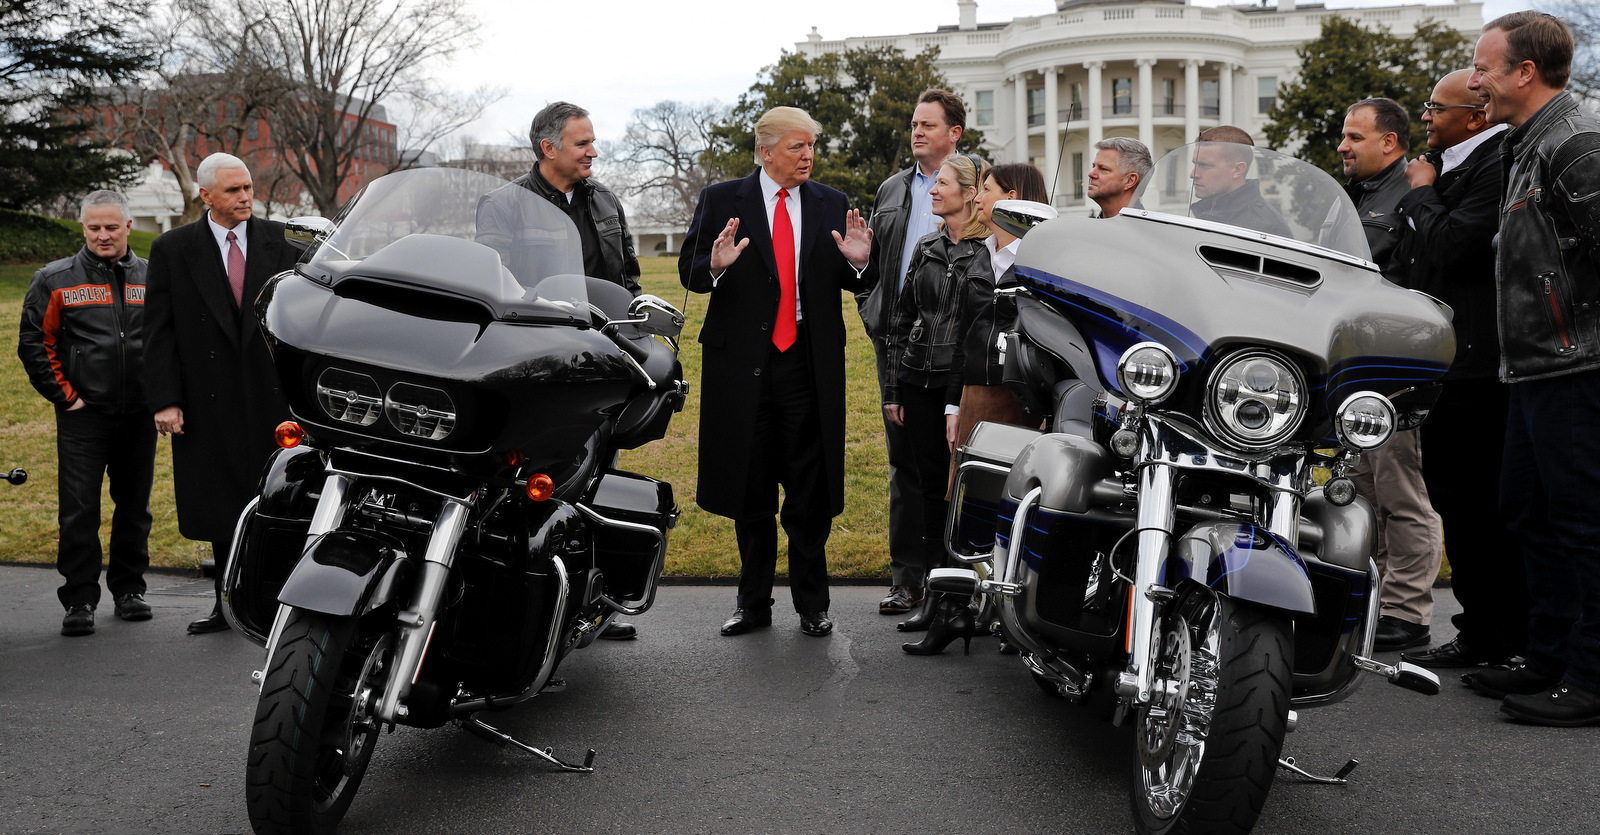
635, 237
1052, 128
1225, 94
1147, 127
672, 241
1096, 104
1191, 99
1020, 118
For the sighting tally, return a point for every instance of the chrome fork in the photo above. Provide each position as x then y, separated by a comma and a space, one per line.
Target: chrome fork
1154, 524
417, 623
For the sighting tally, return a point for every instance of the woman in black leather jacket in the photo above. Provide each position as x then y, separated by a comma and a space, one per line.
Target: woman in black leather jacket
950, 274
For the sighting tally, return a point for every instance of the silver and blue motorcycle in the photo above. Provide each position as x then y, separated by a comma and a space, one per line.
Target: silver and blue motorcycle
1183, 539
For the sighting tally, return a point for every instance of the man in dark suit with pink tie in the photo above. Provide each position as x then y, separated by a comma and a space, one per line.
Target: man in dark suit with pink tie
772, 387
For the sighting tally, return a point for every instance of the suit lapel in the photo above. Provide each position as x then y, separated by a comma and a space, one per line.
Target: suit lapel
753, 221
210, 278
810, 220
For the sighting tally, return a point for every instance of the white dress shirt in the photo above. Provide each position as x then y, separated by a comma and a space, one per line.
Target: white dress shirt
1458, 153
769, 199
241, 233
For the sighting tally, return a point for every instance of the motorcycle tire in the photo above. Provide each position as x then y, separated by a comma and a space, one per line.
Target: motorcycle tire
1220, 786
312, 738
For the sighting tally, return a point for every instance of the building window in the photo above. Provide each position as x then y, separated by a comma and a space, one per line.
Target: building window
1121, 96
1035, 107
983, 112
1077, 175
1210, 101
1169, 96
252, 130
1266, 93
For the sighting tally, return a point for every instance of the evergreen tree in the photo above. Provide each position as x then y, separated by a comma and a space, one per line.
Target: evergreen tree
862, 97
1349, 62
53, 56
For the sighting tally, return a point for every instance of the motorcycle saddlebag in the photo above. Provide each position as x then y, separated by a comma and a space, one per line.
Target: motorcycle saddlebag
981, 468
628, 557
271, 536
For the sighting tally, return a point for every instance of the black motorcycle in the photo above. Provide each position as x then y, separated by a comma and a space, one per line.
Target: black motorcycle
444, 522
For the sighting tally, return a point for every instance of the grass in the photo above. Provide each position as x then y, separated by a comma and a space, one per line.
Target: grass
702, 544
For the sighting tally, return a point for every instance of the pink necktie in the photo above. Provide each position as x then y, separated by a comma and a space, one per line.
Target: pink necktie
235, 269
783, 253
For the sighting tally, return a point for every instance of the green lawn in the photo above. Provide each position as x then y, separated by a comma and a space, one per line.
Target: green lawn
702, 545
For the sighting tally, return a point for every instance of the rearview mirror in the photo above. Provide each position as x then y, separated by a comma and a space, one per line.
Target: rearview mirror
307, 230
655, 316
1019, 216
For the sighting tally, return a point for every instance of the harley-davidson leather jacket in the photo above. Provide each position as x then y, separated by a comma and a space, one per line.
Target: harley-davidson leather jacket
1547, 265
82, 332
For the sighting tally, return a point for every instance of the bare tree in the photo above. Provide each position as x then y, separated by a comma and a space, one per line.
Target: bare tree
344, 59
1583, 18
659, 157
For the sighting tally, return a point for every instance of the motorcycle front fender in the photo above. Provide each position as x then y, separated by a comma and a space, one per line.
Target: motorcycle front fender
346, 573
1243, 561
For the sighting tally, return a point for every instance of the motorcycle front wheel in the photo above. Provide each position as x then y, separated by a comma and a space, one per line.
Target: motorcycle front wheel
1208, 743
314, 733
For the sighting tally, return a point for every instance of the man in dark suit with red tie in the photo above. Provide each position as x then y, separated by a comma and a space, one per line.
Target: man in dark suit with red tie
208, 375
772, 388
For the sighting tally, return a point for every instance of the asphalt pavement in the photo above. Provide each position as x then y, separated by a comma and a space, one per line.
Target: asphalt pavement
142, 728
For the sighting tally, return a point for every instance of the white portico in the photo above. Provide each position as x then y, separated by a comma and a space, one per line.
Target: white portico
1044, 89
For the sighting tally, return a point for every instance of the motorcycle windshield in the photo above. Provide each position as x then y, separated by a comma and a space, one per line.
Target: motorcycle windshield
462, 233
1257, 190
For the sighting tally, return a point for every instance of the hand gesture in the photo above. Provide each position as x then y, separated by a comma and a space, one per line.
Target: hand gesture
723, 250
1420, 172
856, 243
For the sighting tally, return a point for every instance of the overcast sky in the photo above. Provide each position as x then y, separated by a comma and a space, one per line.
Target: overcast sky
613, 56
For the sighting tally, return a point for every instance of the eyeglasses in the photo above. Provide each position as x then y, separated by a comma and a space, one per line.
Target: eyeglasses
1435, 107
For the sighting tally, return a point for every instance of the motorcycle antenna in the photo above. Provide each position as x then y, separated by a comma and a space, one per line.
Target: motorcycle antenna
1061, 152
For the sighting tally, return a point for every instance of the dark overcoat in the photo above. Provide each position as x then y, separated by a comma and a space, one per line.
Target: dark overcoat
737, 333
206, 356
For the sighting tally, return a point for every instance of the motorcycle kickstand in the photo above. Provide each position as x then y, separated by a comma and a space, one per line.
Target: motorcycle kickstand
486, 731
1338, 779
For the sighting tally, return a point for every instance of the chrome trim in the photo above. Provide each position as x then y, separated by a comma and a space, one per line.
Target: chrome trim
352, 475
1154, 525
1364, 648
547, 665
643, 604
416, 626
230, 578
1168, 441
955, 508
1251, 235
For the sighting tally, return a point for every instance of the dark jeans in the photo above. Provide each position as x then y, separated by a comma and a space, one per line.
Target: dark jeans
1550, 493
90, 445
923, 410
905, 498
787, 440
1462, 444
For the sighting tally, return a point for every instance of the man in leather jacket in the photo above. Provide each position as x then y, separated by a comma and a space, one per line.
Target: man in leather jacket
1547, 277
563, 138
1373, 145
82, 345
901, 215
1222, 188
1448, 221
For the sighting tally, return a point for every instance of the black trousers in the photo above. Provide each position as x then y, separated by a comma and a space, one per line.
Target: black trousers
905, 498
1463, 442
92, 444
787, 451
922, 409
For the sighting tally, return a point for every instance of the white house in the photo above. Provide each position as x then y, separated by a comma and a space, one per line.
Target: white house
1044, 89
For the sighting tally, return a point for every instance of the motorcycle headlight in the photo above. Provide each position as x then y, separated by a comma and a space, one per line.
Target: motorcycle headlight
1147, 373
349, 397
1365, 421
420, 411
1256, 399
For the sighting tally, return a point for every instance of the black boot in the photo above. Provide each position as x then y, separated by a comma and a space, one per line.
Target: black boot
923, 616
952, 619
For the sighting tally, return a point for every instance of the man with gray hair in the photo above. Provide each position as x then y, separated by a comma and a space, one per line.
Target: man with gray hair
1120, 165
208, 374
563, 140
81, 344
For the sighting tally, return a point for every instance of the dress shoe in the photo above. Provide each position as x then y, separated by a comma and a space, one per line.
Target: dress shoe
618, 631
745, 620
213, 622
1514, 680
815, 624
901, 599
1456, 653
79, 620
1394, 633
1565, 705
132, 607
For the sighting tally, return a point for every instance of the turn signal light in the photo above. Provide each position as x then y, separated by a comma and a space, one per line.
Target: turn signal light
515, 458
289, 434
541, 487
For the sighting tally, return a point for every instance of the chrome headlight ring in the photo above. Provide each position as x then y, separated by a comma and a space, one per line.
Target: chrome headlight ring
1256, 399
1147, 373
1365, 421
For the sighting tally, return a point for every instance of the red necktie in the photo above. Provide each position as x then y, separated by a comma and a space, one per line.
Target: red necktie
235, 269
783, 252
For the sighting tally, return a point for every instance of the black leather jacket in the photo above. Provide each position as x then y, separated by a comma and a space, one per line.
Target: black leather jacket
1547, 265
82, 333
607, 227
1375, 199
890, 211
1244, 206
946, 283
